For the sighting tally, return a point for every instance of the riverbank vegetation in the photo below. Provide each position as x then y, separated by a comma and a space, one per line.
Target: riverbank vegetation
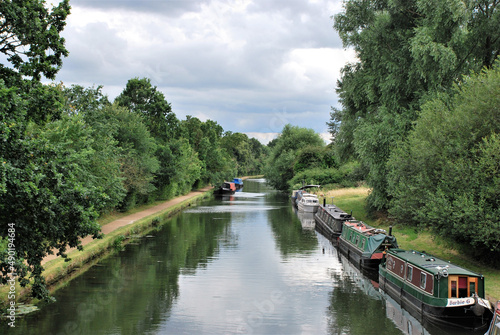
69, 154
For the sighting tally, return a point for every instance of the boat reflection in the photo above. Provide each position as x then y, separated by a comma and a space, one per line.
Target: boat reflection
306, 220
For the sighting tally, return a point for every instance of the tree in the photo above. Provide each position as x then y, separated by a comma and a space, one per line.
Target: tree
279, 167
408, 51
47, 189
446, 174
93, 107
142, 98
137, 159
30, 37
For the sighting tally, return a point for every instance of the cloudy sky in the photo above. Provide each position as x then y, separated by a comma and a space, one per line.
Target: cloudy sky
251, 65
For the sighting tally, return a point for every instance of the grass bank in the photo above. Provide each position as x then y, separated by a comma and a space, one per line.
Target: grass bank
58, 272
412, 238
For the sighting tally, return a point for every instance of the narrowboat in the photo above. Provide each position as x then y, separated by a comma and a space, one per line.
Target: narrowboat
364, 245
495, 323
238, 182
226, 188
435, 290
329, 220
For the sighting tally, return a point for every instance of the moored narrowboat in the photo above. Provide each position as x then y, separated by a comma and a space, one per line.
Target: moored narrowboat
435, 290
226, 188
364, 245
238, 182
495, 323
329, 220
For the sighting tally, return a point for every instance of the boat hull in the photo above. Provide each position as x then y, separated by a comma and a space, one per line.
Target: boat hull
307, 208
356, 256
326, 230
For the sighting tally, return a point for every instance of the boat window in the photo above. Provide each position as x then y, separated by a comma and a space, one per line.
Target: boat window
453, 289
472, 288
357, 239
409, 273
462, 287
363, 243
423, 280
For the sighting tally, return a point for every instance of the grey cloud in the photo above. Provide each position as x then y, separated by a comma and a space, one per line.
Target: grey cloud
217, 62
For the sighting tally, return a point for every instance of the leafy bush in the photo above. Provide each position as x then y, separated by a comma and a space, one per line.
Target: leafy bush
446, 175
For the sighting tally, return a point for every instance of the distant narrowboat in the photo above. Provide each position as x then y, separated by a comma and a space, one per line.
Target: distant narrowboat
495, 323
238, 182
225, 189
364, 245
329, 220
435, 290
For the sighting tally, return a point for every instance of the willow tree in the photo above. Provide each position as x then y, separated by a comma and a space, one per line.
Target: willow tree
407, 51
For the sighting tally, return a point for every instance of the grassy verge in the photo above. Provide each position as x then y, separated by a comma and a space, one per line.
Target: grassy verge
58, 272
412, 239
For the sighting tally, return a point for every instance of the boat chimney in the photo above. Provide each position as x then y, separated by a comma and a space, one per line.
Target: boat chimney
324, 202
390, 230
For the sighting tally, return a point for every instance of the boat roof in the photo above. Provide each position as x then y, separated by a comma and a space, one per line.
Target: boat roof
308, 186
309, 195
430, 263
363, 227
336, 212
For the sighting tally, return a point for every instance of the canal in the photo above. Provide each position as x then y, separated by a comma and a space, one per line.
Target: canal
246, 264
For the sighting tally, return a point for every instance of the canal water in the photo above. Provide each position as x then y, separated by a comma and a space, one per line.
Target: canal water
244, 264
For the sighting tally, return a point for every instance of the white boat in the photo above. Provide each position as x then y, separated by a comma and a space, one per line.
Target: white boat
308, 203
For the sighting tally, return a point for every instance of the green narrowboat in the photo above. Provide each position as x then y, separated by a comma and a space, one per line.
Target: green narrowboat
435, 290
364, 245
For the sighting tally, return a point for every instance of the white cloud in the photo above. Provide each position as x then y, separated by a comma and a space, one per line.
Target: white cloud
252, 66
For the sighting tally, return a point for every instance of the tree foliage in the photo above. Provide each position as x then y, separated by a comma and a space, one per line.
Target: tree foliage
30, 37
282, 157
446, 174
47, 187
407, 52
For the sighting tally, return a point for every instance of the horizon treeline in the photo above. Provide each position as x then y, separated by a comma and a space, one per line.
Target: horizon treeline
68, 154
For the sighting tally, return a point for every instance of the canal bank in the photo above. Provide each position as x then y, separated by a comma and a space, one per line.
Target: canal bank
116, 234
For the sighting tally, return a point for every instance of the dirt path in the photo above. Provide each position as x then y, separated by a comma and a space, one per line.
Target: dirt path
129, 219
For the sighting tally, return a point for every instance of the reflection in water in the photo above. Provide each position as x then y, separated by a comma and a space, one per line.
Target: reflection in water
306, 219
243, 265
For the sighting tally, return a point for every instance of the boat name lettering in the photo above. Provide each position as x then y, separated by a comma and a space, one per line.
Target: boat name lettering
460, 302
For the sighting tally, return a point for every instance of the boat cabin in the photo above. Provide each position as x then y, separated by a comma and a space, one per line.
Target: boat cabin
435, 277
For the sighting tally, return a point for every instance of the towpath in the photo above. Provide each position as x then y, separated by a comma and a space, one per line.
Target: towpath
129, 219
